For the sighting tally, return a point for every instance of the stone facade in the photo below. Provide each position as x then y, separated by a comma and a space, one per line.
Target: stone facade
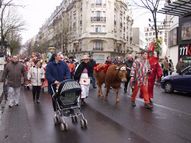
100, 28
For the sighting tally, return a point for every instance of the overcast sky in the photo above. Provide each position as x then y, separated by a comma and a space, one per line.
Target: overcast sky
36, 12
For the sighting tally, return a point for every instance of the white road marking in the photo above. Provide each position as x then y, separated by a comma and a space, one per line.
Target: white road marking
164, 107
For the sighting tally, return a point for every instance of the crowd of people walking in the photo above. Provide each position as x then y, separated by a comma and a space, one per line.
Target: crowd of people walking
142, 73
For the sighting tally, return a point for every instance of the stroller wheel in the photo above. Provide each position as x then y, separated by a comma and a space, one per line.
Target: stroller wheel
83, 123
56, 120
64, 127
74, 119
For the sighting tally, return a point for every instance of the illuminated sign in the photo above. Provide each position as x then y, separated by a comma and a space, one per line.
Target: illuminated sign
185, 50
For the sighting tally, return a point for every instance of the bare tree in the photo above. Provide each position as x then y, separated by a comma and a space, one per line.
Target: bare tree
9, 20
152, 6
14, 39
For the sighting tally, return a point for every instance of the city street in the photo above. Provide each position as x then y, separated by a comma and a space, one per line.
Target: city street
169, 122
109, 42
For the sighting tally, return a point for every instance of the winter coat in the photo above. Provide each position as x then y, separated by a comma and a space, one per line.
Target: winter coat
56, 71
129, 64
91, 63
80, 69
36, 75
13, 73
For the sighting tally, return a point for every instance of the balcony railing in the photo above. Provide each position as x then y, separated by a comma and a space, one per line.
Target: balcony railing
98, 19
98, 49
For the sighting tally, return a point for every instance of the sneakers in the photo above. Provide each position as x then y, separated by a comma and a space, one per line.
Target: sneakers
10, 106
151, 102
133, 104
38, 101
148, 106
83, 102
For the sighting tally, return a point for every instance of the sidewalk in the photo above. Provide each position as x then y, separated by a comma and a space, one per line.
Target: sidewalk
1, 90
1, 87
14, 125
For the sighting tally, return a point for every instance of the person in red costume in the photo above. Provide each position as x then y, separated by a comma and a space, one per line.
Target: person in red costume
156, 70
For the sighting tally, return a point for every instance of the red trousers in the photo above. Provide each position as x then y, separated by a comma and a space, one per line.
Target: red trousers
151, 83
144, 91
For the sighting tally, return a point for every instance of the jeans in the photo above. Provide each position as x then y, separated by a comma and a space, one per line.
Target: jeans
13, 95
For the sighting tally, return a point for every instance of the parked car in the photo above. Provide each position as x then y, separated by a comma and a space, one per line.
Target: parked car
179, 82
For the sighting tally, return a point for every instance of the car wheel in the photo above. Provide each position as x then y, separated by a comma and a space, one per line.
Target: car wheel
168, 87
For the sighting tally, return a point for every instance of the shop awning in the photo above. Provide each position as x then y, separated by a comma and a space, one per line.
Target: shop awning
177, 8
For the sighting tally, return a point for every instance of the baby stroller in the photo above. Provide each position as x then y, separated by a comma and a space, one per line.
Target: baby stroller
66, 97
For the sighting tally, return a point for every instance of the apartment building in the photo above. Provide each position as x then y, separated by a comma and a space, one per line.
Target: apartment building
138, 41
172, 40
100, 28
150, 36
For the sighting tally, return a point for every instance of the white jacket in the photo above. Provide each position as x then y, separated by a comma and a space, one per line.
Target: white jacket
35, 75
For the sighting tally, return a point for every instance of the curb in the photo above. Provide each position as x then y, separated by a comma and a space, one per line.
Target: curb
1, 87
1, 92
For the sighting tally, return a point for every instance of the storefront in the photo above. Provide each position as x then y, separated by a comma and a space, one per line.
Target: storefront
181, 35
184, 52
185, 39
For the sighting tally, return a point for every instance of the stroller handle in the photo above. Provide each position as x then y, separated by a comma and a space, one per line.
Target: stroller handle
52, 88
57, 85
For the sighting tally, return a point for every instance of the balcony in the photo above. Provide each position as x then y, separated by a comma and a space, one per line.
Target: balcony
98, 49
98, 19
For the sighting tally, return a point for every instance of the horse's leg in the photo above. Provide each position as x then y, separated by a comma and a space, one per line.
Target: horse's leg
117, 96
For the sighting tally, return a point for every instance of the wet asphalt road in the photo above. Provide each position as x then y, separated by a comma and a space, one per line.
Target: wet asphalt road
169, 122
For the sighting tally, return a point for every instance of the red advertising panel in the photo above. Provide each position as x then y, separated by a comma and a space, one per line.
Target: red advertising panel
185, 52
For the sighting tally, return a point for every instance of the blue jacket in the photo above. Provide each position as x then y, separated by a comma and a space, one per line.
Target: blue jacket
56, 71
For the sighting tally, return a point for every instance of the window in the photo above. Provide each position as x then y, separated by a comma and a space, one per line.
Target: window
98, 13
98, 16
98, 45
187, 72
97, 28
74, 26
103, 28
98, 2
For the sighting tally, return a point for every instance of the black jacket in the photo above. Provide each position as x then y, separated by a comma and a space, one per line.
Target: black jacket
80, 69
92, 63
129, 64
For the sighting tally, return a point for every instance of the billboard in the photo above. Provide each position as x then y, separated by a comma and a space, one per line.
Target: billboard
185, 28
173, 37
